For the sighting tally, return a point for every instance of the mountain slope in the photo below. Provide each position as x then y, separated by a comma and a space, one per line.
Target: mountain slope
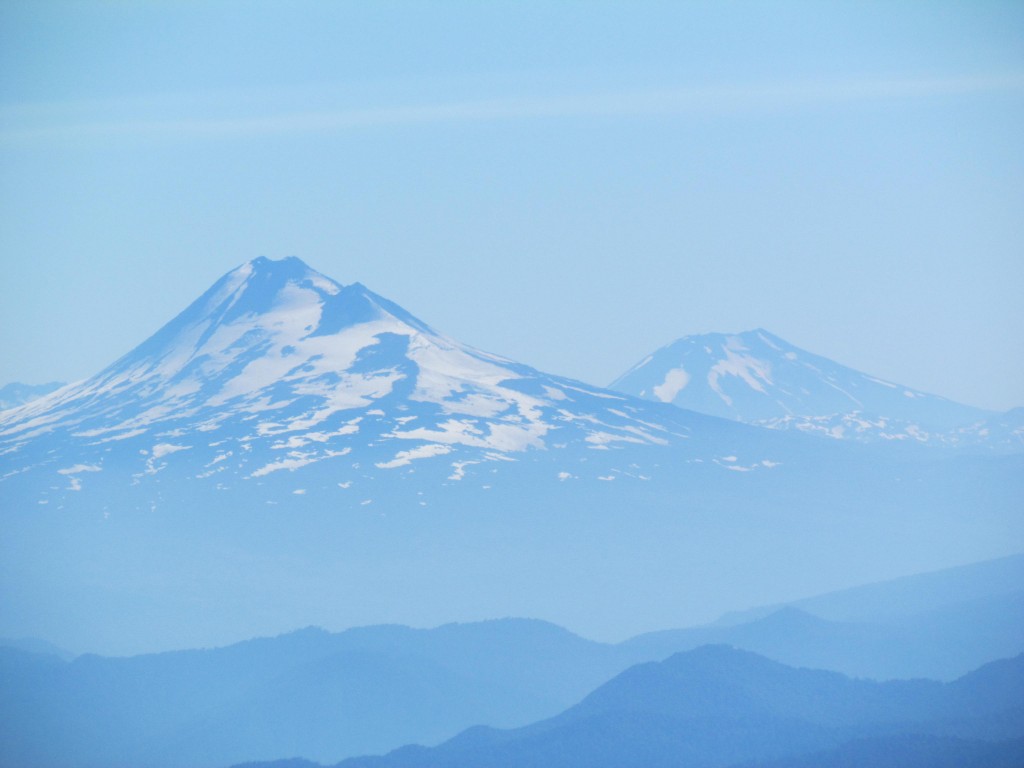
881, 630
910, 751
14, 394
757, 378
715, 706
919, 593
974, 633
308, 692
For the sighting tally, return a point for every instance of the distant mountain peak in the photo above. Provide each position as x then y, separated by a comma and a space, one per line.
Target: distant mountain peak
759, 378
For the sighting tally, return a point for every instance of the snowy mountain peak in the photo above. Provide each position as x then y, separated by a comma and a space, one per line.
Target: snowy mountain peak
262, 322
279, 368
759, 378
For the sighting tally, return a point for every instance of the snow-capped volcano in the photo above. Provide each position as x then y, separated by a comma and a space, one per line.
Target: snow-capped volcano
757, 378
279, 342
277, 368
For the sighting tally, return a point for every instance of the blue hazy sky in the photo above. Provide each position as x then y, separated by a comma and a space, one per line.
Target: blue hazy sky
568, 184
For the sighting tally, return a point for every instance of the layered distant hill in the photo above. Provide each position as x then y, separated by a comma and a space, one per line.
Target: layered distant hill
308, 692
328, 695
757, 378
881, 631
717, 706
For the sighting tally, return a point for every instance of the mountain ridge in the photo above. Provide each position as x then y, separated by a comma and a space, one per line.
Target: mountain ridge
717, 706
759, 378
329, 694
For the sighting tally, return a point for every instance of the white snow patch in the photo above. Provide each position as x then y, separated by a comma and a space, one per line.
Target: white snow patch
595, 393
674, 383
883, 382
478, 404
603, 438
291, 464
459, 468
111, 438
158, 452
503, 436
164, 449
327, 286
79, 468
640, 433
295, 441
735, 343
565, 415
554, 394
402, 458
754, 372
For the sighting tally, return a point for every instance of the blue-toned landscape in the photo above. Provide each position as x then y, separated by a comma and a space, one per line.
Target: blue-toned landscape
412, 385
